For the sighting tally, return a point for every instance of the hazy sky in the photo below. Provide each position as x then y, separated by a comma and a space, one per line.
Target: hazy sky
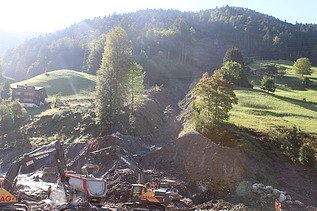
51, 15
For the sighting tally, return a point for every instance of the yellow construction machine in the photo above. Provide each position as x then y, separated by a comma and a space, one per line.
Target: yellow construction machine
145, 197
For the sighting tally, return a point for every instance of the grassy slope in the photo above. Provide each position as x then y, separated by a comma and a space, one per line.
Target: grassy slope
285, 108
65, 83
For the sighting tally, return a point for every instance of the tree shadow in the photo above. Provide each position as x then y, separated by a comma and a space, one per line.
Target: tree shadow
291, 82
305, 104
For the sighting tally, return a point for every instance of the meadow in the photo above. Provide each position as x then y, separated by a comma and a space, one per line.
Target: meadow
290, 105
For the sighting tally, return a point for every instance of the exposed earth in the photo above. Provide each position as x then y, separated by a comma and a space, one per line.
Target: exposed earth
208, 176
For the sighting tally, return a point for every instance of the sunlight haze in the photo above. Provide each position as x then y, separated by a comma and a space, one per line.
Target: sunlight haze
42, 16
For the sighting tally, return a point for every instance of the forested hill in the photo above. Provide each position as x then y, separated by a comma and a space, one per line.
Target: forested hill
168, 43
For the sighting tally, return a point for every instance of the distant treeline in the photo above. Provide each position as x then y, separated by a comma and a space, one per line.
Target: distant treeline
164, 37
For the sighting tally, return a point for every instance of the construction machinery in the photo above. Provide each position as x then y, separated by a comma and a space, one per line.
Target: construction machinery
8, 201
72, 183
92, 189
145, 197
84, 186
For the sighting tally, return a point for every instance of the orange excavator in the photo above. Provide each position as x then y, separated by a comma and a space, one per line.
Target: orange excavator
145, 197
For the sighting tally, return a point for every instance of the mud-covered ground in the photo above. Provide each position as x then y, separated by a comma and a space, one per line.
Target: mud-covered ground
206, 175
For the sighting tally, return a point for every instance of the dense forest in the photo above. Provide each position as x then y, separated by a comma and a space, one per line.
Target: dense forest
167, 43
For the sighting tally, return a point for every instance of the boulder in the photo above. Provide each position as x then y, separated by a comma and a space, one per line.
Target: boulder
282, 197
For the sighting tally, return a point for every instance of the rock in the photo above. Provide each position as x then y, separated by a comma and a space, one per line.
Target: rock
288, 197
289, 202
187, 201
283, 192
282, 197
298, 202
269, 188
276, 192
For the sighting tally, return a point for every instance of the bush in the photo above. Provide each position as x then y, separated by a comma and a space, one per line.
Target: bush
306, 82
307, 155
292, 140
12, 114
268, 84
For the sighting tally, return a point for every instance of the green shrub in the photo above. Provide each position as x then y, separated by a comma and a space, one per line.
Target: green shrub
292, 140
306, 82
307, 155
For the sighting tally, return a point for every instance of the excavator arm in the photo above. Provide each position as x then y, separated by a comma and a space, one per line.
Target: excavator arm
55, 149
123, 155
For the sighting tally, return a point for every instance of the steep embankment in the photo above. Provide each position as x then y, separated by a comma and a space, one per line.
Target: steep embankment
202, 162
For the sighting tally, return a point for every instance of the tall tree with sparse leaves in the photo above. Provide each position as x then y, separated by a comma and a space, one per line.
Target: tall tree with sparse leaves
213, 99
135, 85
112, 76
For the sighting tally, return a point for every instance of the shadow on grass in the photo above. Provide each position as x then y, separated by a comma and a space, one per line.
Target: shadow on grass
307, 105
275, 114
291, 82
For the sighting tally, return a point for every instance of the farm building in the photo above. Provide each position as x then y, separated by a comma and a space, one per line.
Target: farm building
29, 96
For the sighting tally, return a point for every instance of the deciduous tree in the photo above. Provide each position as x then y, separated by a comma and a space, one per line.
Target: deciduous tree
231, 71
135, 85
302, 66
213, 99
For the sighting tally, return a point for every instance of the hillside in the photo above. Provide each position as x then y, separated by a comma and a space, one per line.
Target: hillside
64, 83
258, 158
290, 105
164, 38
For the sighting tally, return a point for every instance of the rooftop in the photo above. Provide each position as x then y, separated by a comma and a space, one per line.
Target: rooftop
29, 87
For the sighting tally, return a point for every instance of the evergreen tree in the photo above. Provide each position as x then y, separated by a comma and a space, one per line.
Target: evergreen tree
302, 66
234, 55
135, 85
111, 89
213, 99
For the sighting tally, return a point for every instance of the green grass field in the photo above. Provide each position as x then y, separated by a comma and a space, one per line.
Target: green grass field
286, 107
64, 84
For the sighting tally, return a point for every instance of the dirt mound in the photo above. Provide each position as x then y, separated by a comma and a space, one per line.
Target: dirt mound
133, 144
205, 164
156, 121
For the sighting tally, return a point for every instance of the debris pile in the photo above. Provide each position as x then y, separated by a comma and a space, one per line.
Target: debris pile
270, 193
221, 205
201, 161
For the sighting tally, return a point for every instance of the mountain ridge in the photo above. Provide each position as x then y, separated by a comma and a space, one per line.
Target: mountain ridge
198, 39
